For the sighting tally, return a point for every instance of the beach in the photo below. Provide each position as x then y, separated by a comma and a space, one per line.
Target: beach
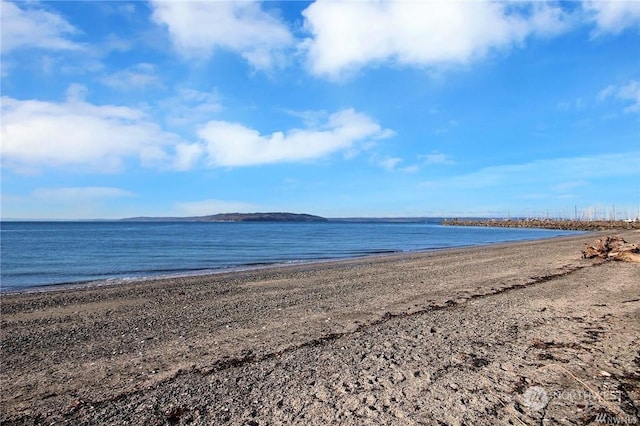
518, 333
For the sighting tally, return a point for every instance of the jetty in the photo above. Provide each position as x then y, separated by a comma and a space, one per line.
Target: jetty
563, 224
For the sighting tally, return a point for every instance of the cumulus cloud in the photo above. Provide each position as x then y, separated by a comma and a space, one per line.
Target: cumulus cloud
232, 144
346, 36
198, 28
187, 155
74, 133
38, 134
29, 27
614, 16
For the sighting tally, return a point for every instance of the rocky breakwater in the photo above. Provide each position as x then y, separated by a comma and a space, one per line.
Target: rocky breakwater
567, 225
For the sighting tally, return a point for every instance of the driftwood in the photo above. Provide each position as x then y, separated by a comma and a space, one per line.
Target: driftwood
612, 248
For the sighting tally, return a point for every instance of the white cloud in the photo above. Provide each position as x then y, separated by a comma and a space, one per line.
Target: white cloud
547, 20
38, 134
231, 144
139, 76
212, 206
614, 16
187, 155
198, 28
346, 36
76, 92
34, 28
77, 134
630, 92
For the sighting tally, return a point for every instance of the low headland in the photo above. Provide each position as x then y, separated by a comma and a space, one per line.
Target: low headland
563, 224
235, 217
509, 334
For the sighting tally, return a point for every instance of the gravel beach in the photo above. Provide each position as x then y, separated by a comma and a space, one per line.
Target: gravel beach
520, 333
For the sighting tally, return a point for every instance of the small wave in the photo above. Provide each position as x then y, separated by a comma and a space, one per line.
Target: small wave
382, 251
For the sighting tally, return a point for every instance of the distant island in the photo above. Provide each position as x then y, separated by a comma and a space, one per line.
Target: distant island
235, 217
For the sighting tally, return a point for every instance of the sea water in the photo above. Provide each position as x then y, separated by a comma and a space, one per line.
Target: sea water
36, 254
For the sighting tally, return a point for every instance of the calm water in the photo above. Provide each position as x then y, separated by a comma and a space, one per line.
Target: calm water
46, 253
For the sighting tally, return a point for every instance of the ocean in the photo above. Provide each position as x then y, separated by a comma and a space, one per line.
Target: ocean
39, 254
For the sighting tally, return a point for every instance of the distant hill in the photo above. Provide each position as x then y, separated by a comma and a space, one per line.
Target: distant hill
235, 217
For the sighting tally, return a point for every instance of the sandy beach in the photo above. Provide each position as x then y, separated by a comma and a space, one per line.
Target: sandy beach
521, 333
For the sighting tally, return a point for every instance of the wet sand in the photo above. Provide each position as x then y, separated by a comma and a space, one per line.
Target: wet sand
520, 333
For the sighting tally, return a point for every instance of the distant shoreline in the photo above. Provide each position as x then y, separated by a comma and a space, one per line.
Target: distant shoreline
565, 225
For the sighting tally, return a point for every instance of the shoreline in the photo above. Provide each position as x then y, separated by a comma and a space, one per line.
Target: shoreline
349, 341
108, 282
117, 281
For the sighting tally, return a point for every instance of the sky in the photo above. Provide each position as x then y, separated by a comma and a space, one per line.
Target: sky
358, 108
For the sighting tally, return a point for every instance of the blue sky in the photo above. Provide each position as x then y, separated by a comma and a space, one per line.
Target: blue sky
405, 108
